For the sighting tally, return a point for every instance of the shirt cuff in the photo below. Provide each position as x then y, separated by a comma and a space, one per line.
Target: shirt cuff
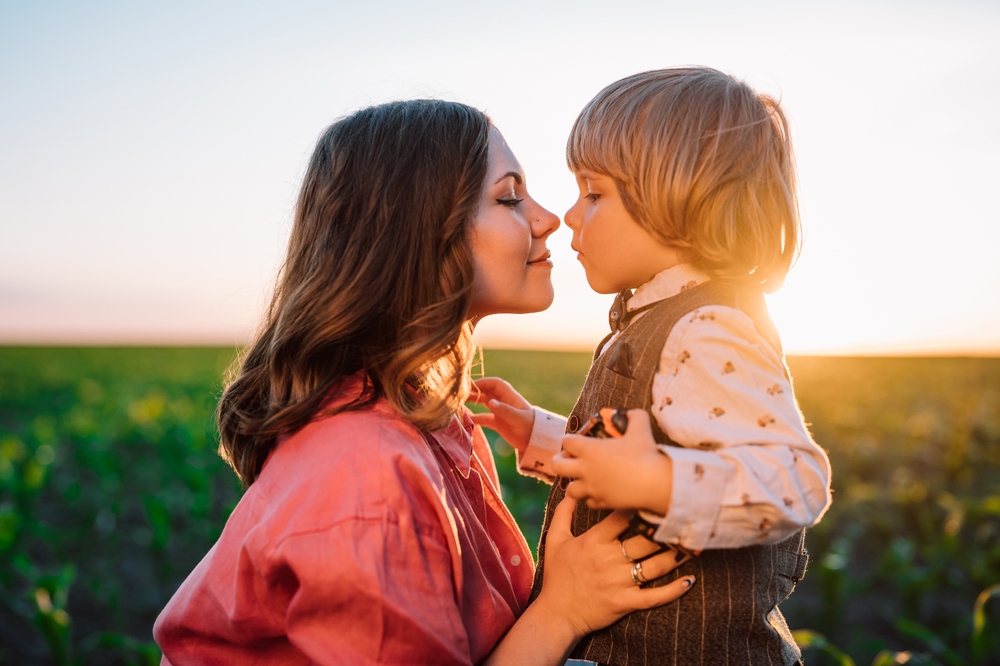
545, 441
699, 483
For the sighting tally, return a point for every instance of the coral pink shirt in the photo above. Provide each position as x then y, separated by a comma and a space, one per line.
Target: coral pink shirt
361, 542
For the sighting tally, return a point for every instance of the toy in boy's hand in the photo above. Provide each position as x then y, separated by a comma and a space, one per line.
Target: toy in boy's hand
609, 422
623, 472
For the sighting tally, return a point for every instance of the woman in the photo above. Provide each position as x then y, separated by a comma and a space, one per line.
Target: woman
372, 529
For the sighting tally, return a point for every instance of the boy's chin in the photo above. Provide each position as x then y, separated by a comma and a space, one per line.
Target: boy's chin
602, 287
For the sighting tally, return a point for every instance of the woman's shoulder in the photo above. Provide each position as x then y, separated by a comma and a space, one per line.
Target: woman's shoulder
356, 465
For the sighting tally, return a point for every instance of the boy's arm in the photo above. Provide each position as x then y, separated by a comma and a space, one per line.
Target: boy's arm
534, 433
748, 472
545, 441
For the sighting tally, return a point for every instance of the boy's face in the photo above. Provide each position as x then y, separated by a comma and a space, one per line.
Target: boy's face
615, 251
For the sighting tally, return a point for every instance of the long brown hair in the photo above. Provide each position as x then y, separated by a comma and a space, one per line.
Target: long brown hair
377, 279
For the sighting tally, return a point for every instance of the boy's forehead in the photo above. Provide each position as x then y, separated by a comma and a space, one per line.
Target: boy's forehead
589, 174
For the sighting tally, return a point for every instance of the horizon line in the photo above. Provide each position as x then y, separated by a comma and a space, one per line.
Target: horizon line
847, 352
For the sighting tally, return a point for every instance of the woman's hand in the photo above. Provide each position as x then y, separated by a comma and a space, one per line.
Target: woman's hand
588, 586
510, 414
588, 579
628, 472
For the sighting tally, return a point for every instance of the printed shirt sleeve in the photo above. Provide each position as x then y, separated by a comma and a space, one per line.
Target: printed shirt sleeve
546, 441
747, 471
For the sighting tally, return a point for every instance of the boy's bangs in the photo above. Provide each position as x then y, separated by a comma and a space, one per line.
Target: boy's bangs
596, 143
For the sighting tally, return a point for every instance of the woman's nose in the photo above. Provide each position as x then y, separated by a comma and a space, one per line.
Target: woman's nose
545, 223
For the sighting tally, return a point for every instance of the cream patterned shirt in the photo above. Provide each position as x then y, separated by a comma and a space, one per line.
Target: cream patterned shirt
747, 471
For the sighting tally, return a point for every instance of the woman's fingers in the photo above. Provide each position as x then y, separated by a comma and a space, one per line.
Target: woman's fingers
651, 597
562, 519
639, 547
610, 527
663, 563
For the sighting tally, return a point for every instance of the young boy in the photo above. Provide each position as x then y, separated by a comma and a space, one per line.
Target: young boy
687, 195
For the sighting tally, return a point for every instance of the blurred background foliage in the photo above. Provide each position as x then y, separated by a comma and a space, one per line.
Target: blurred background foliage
111, 490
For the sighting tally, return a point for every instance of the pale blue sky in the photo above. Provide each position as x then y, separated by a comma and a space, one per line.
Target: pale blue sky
150, 153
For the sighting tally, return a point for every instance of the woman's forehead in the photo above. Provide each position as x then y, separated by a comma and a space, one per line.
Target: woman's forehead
503, 163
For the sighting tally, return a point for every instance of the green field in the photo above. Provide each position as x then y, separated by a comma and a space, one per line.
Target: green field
111, 491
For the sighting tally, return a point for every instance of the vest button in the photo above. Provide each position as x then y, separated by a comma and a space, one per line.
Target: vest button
574, 423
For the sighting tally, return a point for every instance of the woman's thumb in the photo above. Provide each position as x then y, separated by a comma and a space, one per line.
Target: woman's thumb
562, 520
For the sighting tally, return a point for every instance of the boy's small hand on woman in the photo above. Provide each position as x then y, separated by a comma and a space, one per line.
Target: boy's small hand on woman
510, 415
628, 472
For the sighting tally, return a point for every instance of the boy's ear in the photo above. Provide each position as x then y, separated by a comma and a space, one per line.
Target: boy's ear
620, 359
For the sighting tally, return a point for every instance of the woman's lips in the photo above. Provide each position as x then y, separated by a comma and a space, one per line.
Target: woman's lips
542, 260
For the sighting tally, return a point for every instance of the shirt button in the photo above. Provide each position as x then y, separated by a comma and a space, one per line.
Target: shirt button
515, 560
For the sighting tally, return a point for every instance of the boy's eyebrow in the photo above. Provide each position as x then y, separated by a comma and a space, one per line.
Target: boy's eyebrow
516, 175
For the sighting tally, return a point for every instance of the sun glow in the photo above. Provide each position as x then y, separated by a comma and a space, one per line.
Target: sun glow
181, 144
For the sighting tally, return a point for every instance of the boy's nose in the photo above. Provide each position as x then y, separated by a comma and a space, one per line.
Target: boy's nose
571, 217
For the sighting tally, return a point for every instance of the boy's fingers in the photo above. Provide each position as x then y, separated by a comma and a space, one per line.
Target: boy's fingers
651, 597
574, 445
482, 390
576, 491
499, 389
638, 418
565, 466
562, 518
486, 420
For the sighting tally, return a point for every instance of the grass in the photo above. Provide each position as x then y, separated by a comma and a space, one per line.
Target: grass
111, 491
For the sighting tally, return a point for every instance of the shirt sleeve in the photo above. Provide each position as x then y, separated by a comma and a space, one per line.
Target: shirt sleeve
372, 591
747, 471
546, 441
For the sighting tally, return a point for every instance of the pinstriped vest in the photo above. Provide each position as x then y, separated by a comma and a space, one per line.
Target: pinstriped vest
731, 614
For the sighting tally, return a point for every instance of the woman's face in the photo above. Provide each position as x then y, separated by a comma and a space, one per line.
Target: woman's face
513, 270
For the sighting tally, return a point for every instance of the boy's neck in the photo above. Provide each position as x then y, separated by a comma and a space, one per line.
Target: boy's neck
666, 284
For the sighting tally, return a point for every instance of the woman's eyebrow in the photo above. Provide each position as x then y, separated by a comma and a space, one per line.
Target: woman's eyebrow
516, 175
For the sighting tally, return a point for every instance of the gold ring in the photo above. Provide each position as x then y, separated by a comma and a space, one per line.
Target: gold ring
627, 558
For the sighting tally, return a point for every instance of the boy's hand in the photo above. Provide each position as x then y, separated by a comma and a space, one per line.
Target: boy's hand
510, 414
628, 472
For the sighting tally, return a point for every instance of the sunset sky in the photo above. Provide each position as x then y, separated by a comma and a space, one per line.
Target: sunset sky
150, 153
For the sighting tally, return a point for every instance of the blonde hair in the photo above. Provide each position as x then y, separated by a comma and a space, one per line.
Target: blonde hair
703, 163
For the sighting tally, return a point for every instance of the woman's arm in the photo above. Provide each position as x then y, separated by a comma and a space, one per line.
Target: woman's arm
588, 586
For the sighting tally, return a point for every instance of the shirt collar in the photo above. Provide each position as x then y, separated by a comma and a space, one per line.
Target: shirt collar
667, 283
455, 439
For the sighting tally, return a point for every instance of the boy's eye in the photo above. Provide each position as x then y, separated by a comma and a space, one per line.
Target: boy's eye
510, 203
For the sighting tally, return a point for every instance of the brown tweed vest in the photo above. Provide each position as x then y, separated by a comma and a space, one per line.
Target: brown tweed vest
731, 614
